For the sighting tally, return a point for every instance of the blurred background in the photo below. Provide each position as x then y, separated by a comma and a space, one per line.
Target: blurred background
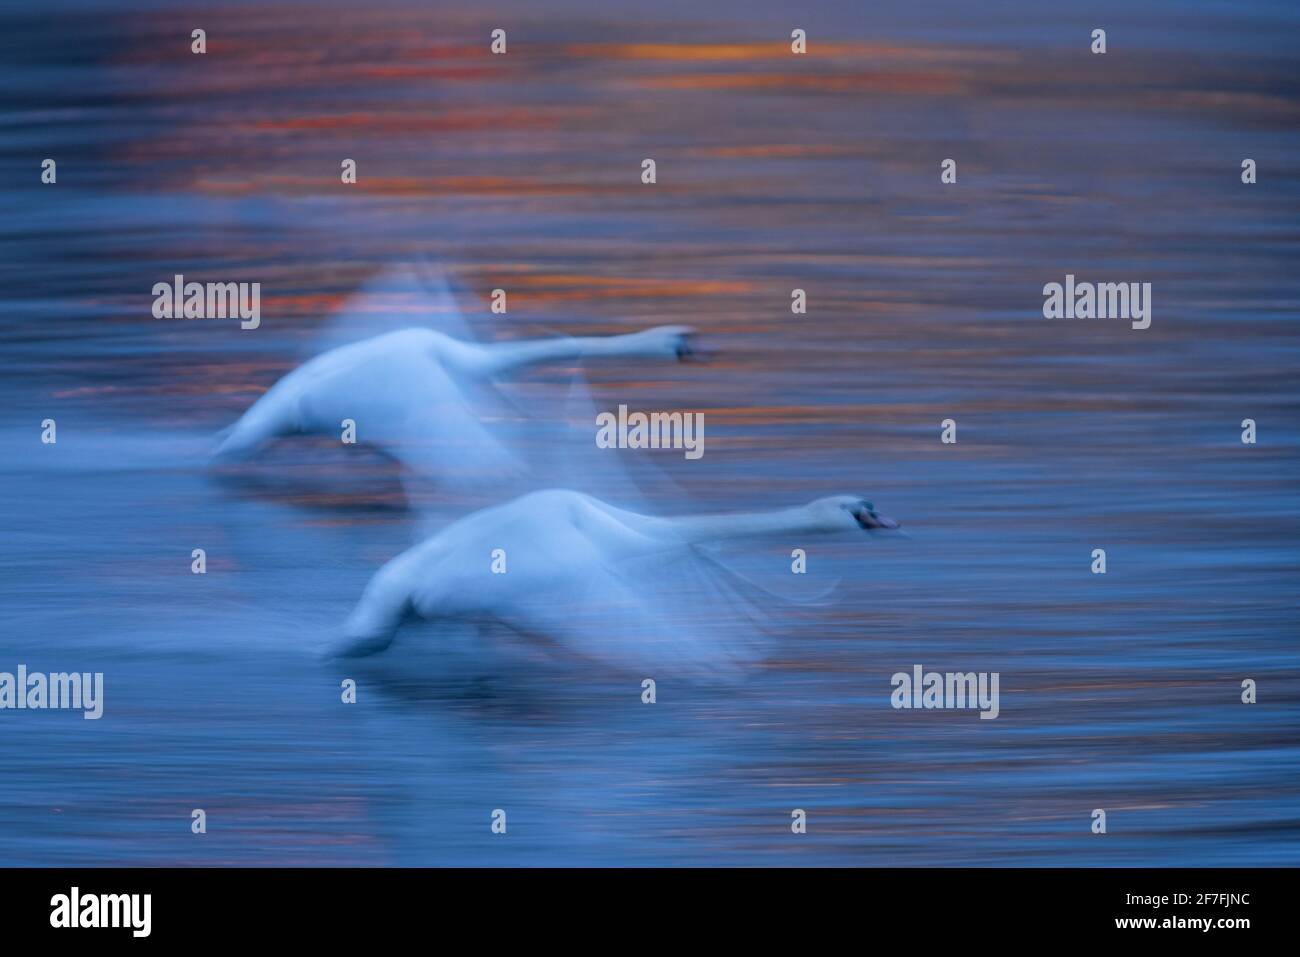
775, 171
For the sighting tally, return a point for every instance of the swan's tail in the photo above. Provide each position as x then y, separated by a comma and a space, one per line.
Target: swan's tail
370, 629
354, 645
262, 422
373, 624
234, 442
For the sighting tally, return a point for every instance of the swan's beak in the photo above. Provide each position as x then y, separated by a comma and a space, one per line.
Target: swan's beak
688, 351
873, 521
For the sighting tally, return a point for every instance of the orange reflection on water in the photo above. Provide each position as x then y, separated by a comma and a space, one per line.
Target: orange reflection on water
929, 83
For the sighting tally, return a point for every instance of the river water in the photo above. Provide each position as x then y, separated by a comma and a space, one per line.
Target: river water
1119, 691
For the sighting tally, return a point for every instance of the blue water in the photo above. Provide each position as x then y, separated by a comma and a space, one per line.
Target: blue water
1119, 691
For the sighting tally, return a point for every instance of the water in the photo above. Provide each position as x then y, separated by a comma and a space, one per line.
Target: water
1118, 691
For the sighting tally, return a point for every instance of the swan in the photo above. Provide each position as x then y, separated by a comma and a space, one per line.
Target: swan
600, 581
401, 361
424, 396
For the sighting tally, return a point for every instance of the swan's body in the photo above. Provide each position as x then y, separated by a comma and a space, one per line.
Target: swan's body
603, 582
424, 396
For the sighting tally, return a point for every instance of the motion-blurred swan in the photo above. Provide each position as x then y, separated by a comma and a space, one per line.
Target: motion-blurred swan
606, 583
426, 397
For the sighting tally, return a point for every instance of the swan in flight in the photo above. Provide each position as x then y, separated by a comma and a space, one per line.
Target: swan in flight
430, 397
567, 569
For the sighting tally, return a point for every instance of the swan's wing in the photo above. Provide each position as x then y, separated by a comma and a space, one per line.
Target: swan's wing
454, 436
532, 434
632, 479
672, 614
463, 449
451, 434
454, 442
563, 416
398, 297
768, 567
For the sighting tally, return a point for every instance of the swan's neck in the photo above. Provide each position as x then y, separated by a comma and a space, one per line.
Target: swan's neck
789, 521
504, 356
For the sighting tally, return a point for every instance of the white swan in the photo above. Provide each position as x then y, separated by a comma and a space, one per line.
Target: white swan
605, 583
429, 397
413, 392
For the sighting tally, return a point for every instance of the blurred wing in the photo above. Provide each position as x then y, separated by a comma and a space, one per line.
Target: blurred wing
767, 567
451, 435
458, 439
398, 297
456, 445
675, 613
520, 437
563, 420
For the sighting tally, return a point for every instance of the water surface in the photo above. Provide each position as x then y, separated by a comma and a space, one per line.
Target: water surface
775, 172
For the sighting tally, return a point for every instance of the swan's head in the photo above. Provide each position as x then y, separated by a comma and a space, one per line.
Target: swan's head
668, 342
847, 512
